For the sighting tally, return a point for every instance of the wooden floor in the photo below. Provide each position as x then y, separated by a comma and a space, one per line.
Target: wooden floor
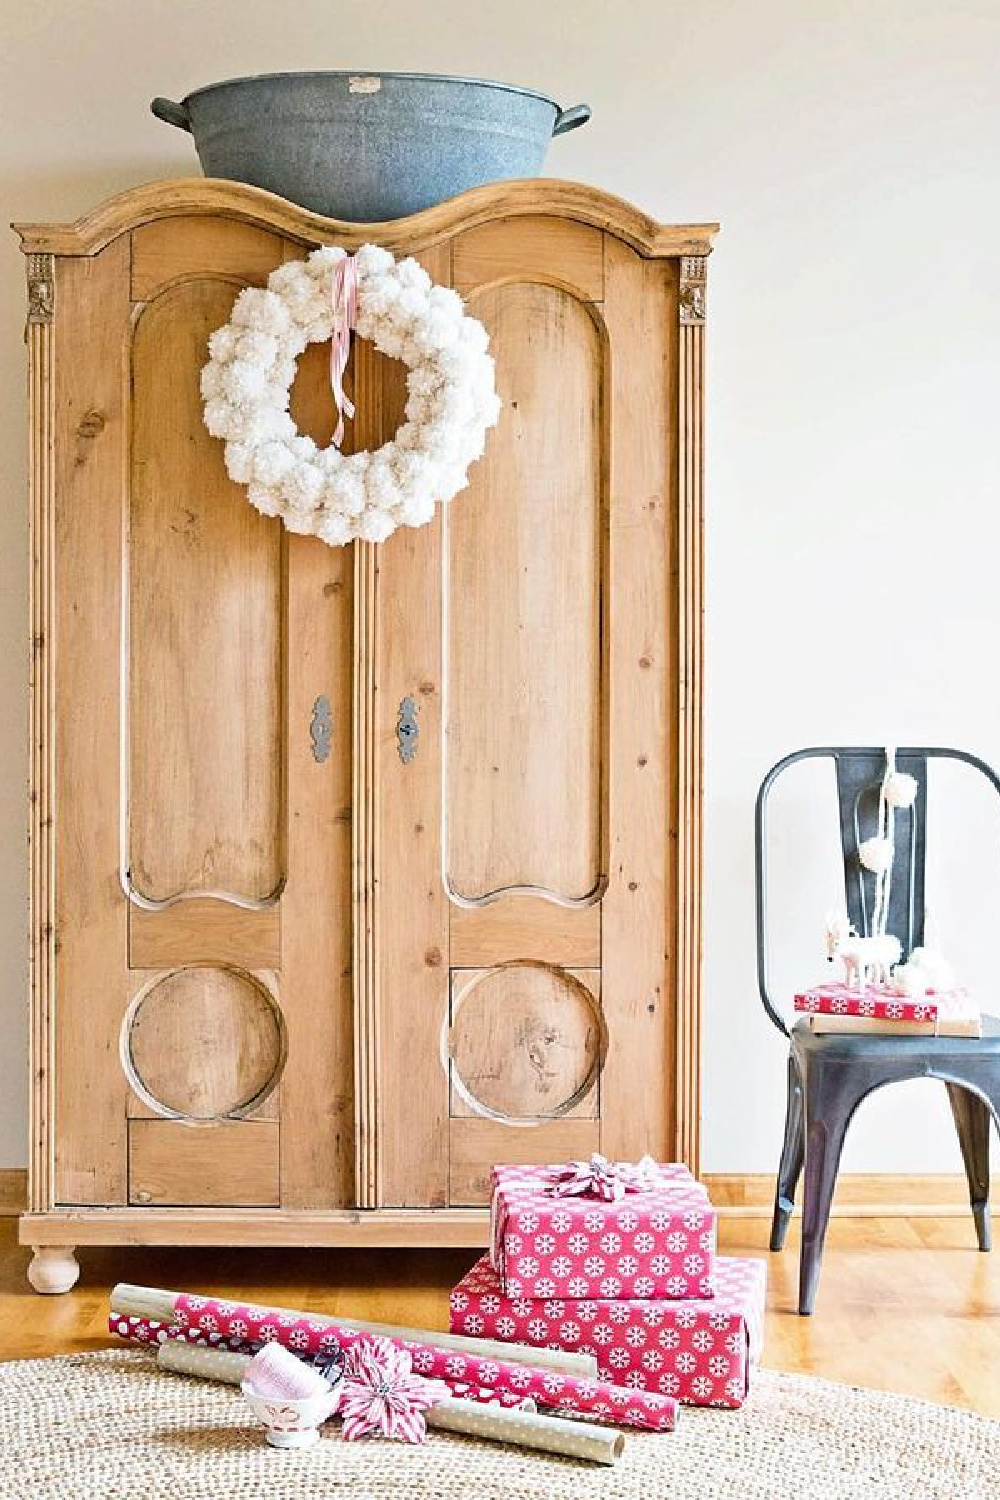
905, 1304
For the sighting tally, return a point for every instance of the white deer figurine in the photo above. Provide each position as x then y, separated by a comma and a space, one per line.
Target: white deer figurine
865, 959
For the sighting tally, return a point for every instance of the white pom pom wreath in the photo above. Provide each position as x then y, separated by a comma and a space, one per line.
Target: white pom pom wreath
451, 397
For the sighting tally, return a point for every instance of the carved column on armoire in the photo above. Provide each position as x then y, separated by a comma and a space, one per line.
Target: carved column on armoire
693, 275
354, 870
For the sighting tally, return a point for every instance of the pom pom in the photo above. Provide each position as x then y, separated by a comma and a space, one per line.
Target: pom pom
213, 381
257, 348
417, 511
271, 463
220, 417
302, 486
376, 526
910, 980
447, 302
335, 530
900, 789
876, 854
264, 499
323, 261
373, 260
240, 462
244, 383
222, 344
260, 310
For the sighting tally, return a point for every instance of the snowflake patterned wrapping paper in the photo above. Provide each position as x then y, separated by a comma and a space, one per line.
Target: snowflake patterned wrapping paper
655, 1243
884, 1002
151, 1332
700, 1351
240, 1323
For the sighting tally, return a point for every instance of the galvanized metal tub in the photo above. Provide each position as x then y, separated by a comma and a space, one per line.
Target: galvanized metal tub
368, 146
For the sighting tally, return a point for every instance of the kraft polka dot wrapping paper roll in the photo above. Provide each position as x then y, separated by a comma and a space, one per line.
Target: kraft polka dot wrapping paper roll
658, 1242
524, 1429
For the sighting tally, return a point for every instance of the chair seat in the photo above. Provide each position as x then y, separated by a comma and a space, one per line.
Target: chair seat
854, 1044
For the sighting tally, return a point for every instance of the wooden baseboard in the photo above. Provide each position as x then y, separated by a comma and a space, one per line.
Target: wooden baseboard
736, 1195
859, 1195
13, 1191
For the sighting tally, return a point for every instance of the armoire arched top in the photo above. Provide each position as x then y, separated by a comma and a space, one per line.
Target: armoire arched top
211, 196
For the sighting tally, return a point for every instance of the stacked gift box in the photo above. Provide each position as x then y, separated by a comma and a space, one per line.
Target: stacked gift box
884, 1010
619, 1262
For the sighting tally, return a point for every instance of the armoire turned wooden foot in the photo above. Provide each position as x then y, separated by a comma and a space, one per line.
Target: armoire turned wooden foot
356, 870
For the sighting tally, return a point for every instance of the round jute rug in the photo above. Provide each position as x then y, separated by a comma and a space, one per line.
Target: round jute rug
106, 1425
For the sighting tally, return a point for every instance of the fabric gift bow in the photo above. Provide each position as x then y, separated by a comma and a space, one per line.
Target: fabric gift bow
601, 1178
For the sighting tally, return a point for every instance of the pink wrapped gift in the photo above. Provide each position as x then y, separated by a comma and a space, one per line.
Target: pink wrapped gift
699, 1351
601, 1229
881, 1001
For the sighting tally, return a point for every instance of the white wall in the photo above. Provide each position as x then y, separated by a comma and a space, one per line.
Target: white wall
850, 149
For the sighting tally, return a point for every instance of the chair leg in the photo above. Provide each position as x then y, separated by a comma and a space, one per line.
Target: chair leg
827, 1118
792, 1153
972, 1121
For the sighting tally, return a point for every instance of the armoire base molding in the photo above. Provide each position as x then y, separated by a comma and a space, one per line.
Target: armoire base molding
394, 1228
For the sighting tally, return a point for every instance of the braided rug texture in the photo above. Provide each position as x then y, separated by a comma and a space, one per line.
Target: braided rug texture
110, 1426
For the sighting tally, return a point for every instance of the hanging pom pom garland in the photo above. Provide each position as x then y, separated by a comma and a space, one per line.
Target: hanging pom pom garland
451, 394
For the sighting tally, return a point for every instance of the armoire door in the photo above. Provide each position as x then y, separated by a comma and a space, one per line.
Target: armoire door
204, 752
518, 755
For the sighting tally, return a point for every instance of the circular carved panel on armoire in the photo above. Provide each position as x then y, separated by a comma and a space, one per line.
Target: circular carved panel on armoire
526, 1042
204, 1043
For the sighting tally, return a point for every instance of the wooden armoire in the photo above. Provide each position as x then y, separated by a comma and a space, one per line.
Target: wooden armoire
356, 870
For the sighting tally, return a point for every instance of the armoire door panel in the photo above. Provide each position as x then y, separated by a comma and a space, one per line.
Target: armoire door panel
525, 927
203, 930
205, 632
525, 1043
168, 249
537, 249
197, 1166
637, 1111
403, 1116
474, 1145
91, 951
317, 1095
204, 1042
523, 669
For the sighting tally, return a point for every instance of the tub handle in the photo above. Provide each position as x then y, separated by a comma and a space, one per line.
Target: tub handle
570, 119
175, 114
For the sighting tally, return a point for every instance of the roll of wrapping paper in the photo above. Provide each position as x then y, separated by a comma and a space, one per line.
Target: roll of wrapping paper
524, 1429
151, 1334
313, 1334
154, 1302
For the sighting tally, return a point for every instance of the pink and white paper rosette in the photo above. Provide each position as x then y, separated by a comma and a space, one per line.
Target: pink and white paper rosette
699, 1351
655, 1240
598, 1399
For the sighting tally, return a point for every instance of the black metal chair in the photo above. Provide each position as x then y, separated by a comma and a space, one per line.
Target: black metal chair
830, 1074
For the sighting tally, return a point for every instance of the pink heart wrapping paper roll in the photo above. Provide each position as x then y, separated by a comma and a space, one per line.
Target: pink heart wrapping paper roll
245, 1322
153, 1334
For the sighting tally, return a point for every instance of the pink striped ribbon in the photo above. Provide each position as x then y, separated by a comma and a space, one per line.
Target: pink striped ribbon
345, 314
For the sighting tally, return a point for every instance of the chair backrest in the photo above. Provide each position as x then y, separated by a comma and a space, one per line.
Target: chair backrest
859, 773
